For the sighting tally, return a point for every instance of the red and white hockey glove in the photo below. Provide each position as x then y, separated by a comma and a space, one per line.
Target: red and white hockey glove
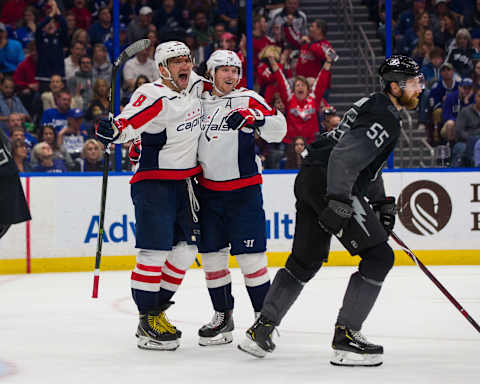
245, 117
134, 151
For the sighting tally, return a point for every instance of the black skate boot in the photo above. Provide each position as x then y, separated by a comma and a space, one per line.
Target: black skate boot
156, 332
259, 338
351, 349
218, 331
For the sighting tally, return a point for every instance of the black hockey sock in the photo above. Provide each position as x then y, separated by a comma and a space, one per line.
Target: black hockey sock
257, 295
281, 296
145, 300
222, 298
360, 296
164, 295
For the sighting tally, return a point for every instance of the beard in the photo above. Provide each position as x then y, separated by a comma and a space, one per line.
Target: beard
409, 102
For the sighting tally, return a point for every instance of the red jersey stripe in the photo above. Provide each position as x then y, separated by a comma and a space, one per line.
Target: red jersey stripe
230, 185
143, 117
165, 174
146, 279
174, 269
253, 103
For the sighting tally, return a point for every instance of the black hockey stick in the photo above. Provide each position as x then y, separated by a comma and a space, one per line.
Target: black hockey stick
439, 285
127, 53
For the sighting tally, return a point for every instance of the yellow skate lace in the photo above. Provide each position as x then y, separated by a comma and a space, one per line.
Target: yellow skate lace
166, 323
155, 322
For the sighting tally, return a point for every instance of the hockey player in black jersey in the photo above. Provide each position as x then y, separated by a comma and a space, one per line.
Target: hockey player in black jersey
340, 173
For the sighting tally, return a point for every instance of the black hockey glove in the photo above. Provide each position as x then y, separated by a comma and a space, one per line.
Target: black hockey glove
335, 216
107, 130
245, 117
386, 210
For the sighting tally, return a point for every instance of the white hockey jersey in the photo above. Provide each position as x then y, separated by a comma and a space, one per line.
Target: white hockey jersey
228, 157
169, 124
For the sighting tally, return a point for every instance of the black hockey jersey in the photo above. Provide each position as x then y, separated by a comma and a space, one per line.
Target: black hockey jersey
356, 151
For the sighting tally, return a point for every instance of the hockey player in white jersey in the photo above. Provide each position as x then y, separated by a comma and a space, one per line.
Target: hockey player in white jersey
232, 215
167, 114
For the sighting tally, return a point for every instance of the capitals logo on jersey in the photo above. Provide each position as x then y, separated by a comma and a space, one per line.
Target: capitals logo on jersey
193, 120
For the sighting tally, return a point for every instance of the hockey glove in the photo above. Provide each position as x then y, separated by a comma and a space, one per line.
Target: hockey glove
335, 216
108, 130
386, 211
245, 117
134, 151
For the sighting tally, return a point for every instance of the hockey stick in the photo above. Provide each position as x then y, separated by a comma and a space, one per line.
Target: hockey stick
127, 53
439, 285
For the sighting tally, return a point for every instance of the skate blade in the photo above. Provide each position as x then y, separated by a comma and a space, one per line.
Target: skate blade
350, 359
250, 347
220, 339
150, 344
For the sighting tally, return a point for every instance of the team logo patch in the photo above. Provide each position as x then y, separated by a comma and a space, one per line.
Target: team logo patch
424, 207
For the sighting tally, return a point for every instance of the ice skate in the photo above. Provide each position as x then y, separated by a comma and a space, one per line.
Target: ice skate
156, 332
352, 349
218, 331
259, 338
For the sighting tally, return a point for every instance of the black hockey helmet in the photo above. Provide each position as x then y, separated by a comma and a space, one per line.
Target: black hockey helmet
399, 69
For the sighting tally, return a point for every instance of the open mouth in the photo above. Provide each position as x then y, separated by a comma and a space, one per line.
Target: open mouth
183, 76
229, 82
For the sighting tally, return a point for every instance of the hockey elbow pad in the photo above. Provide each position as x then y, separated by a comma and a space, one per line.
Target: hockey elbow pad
386, 211
245, 117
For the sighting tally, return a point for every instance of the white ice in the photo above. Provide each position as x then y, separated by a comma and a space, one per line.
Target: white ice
51, 331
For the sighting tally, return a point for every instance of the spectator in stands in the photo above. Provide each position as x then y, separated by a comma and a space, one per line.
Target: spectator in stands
46, 162
101, 66
49, 135
425, 46
260, 38
461, 53
71, 26
55, 86
25, 32
330, 120
11, 52
83, 17
169, 18
266, 79
12, 11
440, 90
218, 30
291, 14
72, 62
407, 18
431, 68
9, 103
73, 135
20, 155
415, 36
51, 41
476, 74
91, 158
201, 30
294, 153
123, 42
302, 105
141, 64
81, 84
454, 103
138, 28
439, 11
448, 30
57, 116
468, 133
100, 29
313, 48
471, 20
228, 13
16, 131
100, 104
81, 35
24, 77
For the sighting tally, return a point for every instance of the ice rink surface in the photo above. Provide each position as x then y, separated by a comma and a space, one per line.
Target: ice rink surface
51, 331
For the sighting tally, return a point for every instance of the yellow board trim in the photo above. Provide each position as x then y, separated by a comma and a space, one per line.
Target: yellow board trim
275, 259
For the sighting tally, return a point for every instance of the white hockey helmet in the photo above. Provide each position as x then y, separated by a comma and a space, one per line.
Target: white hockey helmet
223, 58
169, 50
